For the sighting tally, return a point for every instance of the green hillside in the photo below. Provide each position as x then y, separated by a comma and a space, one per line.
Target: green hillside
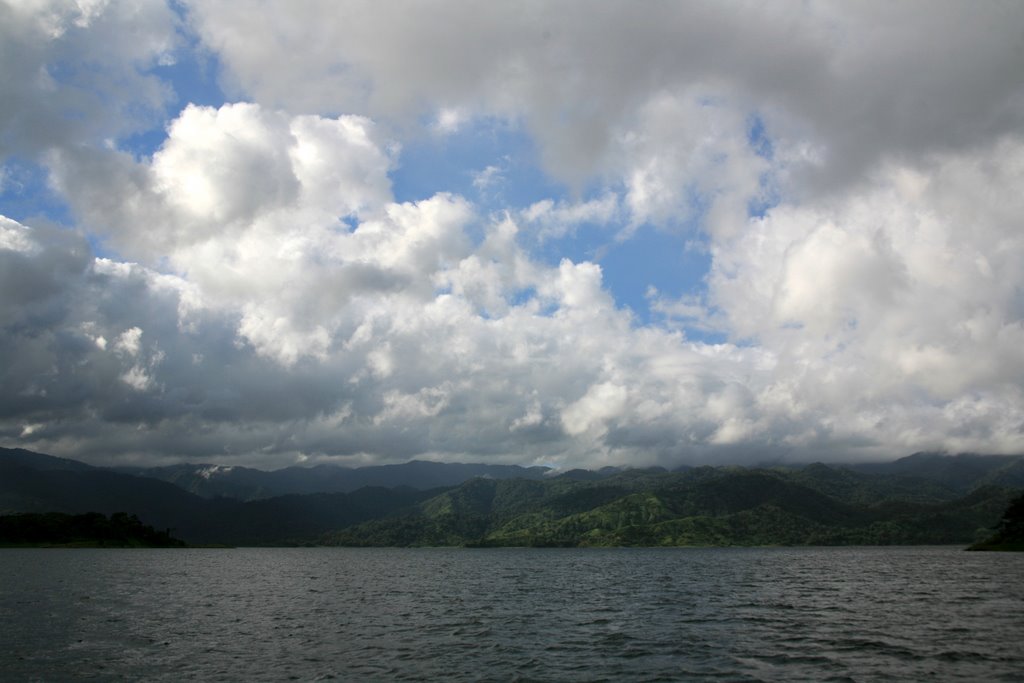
701, 507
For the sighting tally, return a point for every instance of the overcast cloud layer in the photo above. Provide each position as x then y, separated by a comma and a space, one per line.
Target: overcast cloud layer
241, 283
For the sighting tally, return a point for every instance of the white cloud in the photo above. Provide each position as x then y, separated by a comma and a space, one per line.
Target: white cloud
557, 219
225, 165
225, 172
900, 300
247, 203
129, 341
449, 120
30, 429
136, 378
14, 236
487, 178
687, 159
561, 377
601, 404
260, 290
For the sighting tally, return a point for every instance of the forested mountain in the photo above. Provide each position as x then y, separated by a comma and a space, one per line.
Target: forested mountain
921, 499
704, 506
1010, 534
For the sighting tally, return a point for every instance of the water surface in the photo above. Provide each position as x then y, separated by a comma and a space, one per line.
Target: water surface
862, 614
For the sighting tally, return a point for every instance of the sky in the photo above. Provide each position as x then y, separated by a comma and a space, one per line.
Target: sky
567, 233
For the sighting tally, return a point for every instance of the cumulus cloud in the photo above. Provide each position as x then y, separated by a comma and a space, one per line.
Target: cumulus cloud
260, 295
220, 171
416, 373
249, 206
906, 293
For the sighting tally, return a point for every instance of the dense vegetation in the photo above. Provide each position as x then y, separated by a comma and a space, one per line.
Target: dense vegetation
920, 499
1010, 535
120, 530
702, 507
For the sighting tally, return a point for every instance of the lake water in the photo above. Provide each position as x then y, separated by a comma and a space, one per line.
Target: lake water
785, 614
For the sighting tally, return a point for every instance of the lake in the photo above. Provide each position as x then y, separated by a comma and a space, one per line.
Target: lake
739, 614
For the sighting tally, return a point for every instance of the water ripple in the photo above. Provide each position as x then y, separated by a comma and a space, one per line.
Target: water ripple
861, 614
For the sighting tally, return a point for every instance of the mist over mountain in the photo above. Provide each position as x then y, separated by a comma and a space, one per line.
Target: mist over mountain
961, 472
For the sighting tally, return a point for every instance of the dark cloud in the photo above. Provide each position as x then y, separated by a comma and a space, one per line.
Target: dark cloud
74, 72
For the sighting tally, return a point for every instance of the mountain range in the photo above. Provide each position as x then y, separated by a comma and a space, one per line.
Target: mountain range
923, 498
245, 483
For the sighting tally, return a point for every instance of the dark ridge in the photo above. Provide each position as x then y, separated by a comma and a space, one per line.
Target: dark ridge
1010, 534
120, 530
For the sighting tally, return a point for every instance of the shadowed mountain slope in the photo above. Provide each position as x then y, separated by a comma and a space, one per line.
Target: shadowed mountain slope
244, 483
933, 499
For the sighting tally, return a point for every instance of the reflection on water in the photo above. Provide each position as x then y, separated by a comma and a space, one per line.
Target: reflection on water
512, 614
